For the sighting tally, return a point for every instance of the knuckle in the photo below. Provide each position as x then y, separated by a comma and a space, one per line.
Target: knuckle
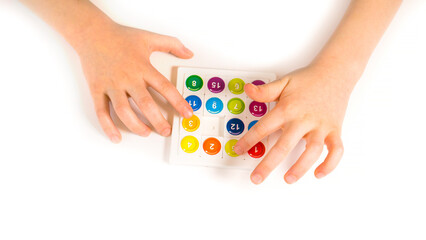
330, 166
315, 145
260, 130
281, 148
166, 86
339, 149
122, 110
176, 40
264, 168
97, 87
146, 102
182, 104
101, 113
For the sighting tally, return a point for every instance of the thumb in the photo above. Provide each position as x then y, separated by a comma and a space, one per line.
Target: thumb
268, 92
171, 45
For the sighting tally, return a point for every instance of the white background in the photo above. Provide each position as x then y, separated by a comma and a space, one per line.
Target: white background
61, 178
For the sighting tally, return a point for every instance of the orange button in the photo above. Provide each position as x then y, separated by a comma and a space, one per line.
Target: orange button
257, 150
211, 146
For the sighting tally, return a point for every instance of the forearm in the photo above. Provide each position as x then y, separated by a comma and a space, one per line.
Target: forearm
73, 19
357, 35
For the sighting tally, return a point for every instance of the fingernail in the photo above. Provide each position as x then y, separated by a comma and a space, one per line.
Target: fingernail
115, 139
187, 51
238, 150
166, 132
290, 179
145, 133
320, 175
188, 113
252, 85
256, 178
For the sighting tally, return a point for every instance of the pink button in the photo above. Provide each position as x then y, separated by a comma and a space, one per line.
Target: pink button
216, 85
258, 82
257, 109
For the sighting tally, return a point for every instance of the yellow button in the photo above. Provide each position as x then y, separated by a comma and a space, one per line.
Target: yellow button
191, 124
189, 144
229, 148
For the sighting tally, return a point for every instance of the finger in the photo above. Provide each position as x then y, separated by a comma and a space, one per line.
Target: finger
150, 109
122, 107
101, 102
313, 150
166, 88
335, 153
267, 92
171, 45
287, 141
264, 127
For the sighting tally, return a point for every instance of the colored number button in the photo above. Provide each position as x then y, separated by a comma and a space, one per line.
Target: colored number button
189, 144
216, 85
229, 148
236, 86
258, 82
194, 102
252, 124
194, 83
257, 109
214, 105
235, 126
236, 106
191, 124
212, 146
257, 150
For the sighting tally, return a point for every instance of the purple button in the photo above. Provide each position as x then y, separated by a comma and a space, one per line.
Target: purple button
257, 109
258, 82
216, 85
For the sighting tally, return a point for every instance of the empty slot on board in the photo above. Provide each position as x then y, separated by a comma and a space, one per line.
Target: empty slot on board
213, 126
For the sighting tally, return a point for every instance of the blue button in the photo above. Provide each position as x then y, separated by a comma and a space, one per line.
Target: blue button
235, 126
194, 102
214, 105
252, 124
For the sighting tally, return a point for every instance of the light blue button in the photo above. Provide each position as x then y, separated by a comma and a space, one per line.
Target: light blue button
252, 124
214, 105
194, 102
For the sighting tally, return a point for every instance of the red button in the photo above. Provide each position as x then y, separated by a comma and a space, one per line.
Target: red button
257, 150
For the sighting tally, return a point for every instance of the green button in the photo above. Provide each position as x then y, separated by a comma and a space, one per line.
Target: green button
229, 148
236, 86
194, 83
236, 106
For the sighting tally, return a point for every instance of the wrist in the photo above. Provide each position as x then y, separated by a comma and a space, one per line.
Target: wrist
89, 25
337, 74
339, 69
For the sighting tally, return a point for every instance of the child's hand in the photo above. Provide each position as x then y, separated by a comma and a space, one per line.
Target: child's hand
311, 105
116, 63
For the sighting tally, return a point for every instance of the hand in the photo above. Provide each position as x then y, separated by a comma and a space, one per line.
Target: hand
311, 105
116, 64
